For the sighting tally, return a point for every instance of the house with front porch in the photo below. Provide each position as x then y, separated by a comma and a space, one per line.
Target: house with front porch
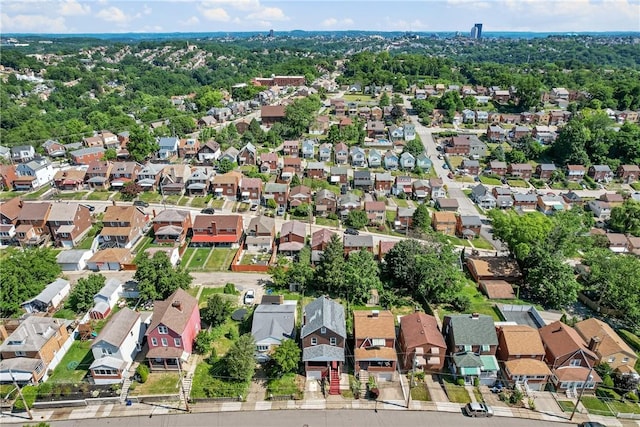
423, 162
374, 333
358, 157
33, 174
521, 354
171, 226
390, 160
168, 147
278, 192
269, 163
174, 325
174, 179
272, 324
122, 226
323, 337
374, 158
68, 223
384, 182
421, 343
248, 155
217, 231
472, 343
341, 153
251, 190
607, 345
226, 185
31, 224
149, 176
209, 152
324, 152
326, 202
261, 233
576, 172
407, 161
122, 173
199, 182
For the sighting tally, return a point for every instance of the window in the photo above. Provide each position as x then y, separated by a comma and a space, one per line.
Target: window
39, 368
106, 351
611, 359
154, 342
333, 341
165, 342
163, 329
177, 342
263, 347
625, 360
486, 348
575, 362
467, 348
378, 342
314, 341
323, 330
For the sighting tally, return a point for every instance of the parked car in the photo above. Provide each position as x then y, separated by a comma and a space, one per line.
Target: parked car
90, 207
445, 166
591, 424
280, 211
475, 409
254, 207
249, 297
208, 211
141, 203
351, 231
497, 388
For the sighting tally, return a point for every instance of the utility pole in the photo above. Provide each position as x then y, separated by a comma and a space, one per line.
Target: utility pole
584, 385
184, 393
24, 402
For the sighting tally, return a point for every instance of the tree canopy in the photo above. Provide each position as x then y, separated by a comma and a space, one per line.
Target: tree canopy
81, 297
157, 278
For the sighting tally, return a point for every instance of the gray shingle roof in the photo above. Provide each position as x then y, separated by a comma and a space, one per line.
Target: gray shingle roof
52, 289
115, 332
467, 330
323, 353
324, 312
275, 322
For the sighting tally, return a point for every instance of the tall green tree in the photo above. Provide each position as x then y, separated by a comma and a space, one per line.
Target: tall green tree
225, 165
626, 218
330, 270
300, 272
570, 146
520, 232
414, 147
357, 218
157, 278
549, 280
240, 361
81, 297
529, 89
286, 357
216, 311
361, 274
421, 218
141, 144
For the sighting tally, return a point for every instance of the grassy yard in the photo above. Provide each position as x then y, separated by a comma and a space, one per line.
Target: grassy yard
224, 336
624, 407
75, 364
207, 292
158, 383
482, 243
635, 186
173, 199
455, 162
456, 241
401, 202
198, 202
456, 393
37, 194
10, 194
198, 258
217, 203
596, 406
358, 97
327, 222
287, 384
206, 381
489, 181
420, 392
187, 255
86, 242
479, 303
150, 197
184, 201
99, 195
220, 259
518, 183
569, 185
71, 196
566, 405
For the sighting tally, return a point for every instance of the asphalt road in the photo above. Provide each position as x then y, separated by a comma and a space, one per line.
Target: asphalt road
308, 418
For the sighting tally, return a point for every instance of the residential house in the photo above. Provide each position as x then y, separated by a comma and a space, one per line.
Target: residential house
468, 116
308, 148
420, 189
217, 230
472, 167
341, 153
498, 168
171, 226
347, 203
421, 343
188, 148
226, 185
33, 174
261, 234
402, 185
483, 197
376, 212
358, 157
199, 181
22, 153
576, 172
315, 170
122, 173
278, 192
206, 122
409, 131
363, 180
501, 96
607, 344
572, 198
9, 212
519, 132
168, 147
116, 347
110, 259
319, 241
31, 224
545, 171
521, 354
339, 176
436, 188
569, 358
209, 152
541, 118
69, 180
496, 134
390, 160
324, 152
396, 133
520, 170
472, 343
93, 141
149, 176
174, 325
271, 325
49, 299
298, 195
445, 204
98, 174
174, 179
268, 163
601, 210
600, 173
468, 226
123, 226
251, 190
551, 203
326, 202
294, 163
353, 243
374, 351
248, 155
444, 222
467, 145
68, 223
293, 236
106, 299
404, 219
423, 162
271, 114
384, 182
618, 242
7, 176
33, 350
525, 201
407, 161
494, 268
374, 158
319, 125
323, 337
291, 148
54, 148
628, 173
544, 134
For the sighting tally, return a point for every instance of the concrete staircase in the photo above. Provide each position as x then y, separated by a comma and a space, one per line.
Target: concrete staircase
364, 380
124, 392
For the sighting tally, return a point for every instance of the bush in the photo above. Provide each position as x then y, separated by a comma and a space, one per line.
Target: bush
203, 342
461, 303
607, 381
143, 372
632, 396
607, 393
460, 381
516, 397
230, 289
133, 386
476, 382
44, 390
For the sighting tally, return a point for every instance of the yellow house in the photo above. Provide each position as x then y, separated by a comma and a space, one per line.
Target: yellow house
607, 345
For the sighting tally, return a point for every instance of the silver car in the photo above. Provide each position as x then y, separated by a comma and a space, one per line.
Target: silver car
478, 410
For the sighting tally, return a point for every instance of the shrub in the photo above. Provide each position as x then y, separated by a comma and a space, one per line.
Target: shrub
420, 376
203, 342
230, 289
133, 386
44, 390
460, 381
461, 303
516, 397
632, 396
607, 381
607, 393
143, 371
476, 382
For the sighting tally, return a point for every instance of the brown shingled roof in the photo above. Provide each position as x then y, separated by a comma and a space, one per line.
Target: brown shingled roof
522, 340
419, 329
174, 312
11, 208
366, 325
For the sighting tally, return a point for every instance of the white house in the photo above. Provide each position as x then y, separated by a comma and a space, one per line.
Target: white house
106, 299
50, 297
74, 259
41, 169
116, 346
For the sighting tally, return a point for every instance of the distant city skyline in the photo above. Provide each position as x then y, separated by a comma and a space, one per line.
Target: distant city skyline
167, 16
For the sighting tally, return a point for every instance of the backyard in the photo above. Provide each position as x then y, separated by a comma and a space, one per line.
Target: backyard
75, 364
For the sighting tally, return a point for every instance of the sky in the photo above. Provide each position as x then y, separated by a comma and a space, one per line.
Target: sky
113, 16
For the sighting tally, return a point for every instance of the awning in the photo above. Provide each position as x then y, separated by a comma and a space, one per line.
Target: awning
489, 363
335, 179
218, 190
21, 377
470, 371
246, 194
66, 229
196, 186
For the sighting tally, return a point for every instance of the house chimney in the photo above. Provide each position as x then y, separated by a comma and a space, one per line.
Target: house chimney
594, 344
177, 304
475, 315
375, 313
214, 229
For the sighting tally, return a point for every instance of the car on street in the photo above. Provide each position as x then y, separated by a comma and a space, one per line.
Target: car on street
141, 203
351, 231
90, 207
254, 207
591, 424
249, 297
475, 409
208, 211
445, 166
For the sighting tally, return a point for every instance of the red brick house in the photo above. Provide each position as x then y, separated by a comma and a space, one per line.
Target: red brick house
444, 222
86, 156
188, 148
271, 114
376, 212
468, 226
174, 325
545, 171
70, 179
374, 351
293, 162
68, 223
299, 195
357, 243
171, 226
217, 230
315, 170
31, 224
521, 354
629, 173
227, 185
293, 236
268, 163
251, 189
123, 226
520, 170
498, 168
384, 182
576, 172
97, 175
7, 176
291, 148
600, 173
421, 340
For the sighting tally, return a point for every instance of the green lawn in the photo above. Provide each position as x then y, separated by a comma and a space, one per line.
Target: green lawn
198, 259
284, 385
207, 292
401, 202
37, 194
150, 197
187, 255
456, 393
635, 186
420, 392
75, 364
518, 183
482, 243
566, 405
71, 196
479, 303
358, 97
158, 383
220, 259
489, 181
596, 406
569, 185
184, 201
10, 194
456, 241
224, 336
327, 222
86, 242
217, 203
624, 407
455, 162
173, 199
99, 195
208, 382
198, 202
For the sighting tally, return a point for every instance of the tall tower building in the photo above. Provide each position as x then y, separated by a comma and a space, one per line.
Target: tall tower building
476, 31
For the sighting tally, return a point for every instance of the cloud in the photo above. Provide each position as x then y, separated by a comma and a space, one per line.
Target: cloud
31, 23
114, 15
242, 5
190, 21
268, 13
20, 6
146, 10
73, 8
215, 14
337, 23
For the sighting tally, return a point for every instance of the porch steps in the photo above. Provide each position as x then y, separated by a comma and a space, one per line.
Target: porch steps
187, 383
364, 380
125, 390
334, 382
